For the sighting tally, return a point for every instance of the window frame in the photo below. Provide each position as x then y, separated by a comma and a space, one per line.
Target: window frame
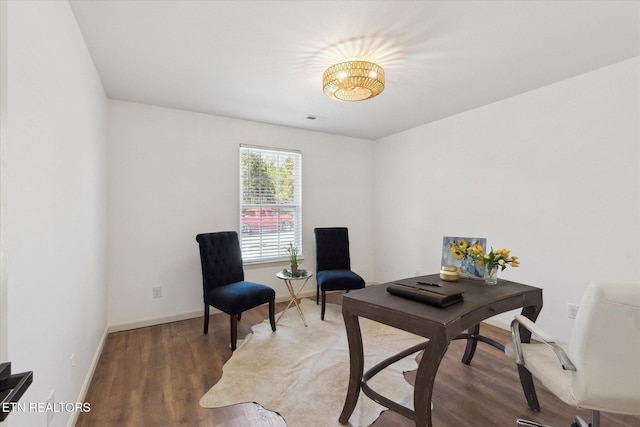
264, 237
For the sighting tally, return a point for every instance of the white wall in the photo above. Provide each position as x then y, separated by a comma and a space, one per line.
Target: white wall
4, 285
552, 174
174, 174
55, 204
557, 181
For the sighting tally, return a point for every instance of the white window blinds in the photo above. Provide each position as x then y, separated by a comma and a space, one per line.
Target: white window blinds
270, 203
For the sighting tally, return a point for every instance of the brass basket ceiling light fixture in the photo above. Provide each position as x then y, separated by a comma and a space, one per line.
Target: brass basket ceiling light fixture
353, 81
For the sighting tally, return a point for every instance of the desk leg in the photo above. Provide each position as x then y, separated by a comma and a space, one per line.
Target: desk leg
425, 378
526, 378
470, 349
356, 365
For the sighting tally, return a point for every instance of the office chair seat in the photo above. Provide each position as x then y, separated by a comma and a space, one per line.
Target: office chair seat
599, 368
334, 280
542, 363
237, 297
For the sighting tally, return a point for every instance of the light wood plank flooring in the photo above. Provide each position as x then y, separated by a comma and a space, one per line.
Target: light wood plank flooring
156, 376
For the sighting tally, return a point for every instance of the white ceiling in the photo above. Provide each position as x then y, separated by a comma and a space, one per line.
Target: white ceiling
263, 60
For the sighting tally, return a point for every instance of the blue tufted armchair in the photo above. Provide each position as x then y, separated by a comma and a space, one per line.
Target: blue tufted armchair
223, 281
333, 264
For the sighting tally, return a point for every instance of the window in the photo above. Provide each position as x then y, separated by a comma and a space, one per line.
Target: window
270, 203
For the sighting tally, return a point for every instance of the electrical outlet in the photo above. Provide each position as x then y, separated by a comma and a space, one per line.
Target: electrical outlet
49, 408
572, 311
157, 292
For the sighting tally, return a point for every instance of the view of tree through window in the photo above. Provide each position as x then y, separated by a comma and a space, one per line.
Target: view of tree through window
270, 202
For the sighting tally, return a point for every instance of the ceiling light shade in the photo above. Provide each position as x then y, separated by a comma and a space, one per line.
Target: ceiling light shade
353, 81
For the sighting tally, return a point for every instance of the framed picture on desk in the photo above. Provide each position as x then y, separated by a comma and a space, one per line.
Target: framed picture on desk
455, 252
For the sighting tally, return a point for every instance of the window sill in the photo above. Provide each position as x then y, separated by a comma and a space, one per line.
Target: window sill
259, 262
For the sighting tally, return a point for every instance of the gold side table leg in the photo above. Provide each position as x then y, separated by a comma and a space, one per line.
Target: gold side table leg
288, 305
294, 299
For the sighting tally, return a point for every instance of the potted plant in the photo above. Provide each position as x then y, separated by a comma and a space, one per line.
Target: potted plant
293, 258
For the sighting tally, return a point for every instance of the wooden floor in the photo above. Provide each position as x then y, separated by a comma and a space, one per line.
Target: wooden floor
156, 376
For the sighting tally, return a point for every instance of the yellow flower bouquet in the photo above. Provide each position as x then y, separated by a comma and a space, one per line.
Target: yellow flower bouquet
499, 258
471, 256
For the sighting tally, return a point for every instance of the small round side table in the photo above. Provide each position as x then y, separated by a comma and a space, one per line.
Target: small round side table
288, 280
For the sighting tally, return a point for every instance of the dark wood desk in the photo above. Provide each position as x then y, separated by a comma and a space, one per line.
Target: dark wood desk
440, 325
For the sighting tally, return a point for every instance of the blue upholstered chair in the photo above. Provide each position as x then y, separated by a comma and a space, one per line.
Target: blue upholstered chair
223, 281
333, 264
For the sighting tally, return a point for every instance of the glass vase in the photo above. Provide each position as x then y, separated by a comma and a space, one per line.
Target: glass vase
491, 275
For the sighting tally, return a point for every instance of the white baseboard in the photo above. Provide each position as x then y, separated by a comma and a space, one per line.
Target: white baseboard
497, 323
152, 321
88, 378
309, 293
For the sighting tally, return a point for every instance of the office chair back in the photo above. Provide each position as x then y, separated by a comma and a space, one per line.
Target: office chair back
605, 348
221, 259
332, 248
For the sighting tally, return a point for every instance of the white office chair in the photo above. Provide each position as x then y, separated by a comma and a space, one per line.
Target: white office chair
599, 369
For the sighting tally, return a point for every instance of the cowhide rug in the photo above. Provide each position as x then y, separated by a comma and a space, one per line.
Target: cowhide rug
302, 372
